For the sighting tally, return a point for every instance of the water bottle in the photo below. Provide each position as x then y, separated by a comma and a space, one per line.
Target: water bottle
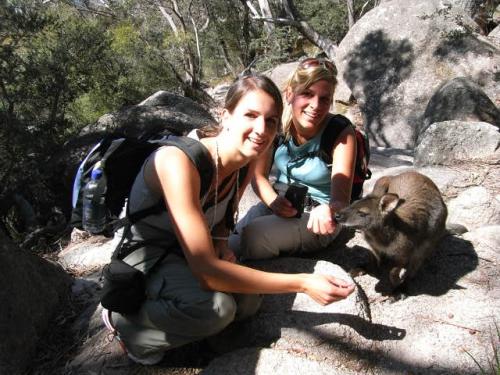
94, 202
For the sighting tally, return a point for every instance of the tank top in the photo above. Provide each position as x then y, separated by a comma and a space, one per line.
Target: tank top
158, 229
309, 171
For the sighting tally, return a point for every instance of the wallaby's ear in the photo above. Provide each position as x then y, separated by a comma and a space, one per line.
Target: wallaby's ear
381, 186
388, 203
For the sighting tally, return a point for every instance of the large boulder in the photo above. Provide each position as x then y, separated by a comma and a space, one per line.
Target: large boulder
259, 361
460, 99
449, 142
475, 207
398, 54
163, 110
280, 73
33, 291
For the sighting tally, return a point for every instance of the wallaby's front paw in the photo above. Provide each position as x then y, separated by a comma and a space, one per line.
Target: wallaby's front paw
358, 271
397, 276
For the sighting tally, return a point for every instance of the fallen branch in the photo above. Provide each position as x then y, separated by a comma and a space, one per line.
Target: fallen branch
471, 330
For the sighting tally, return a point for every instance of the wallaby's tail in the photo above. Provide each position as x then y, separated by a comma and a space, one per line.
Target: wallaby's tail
455, 229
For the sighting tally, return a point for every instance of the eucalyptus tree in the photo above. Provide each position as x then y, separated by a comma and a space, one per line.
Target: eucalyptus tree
322, 22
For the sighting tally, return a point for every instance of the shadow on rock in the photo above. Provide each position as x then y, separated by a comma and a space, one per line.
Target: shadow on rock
270, 323
454, 259
366, 329
379, 65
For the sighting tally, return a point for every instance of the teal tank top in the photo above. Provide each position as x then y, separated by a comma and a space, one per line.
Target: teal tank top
309, 171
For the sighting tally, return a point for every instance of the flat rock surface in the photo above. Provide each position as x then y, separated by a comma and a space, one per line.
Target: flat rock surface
254, 361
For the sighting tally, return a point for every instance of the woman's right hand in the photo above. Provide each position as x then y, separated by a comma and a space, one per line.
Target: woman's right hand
325, 289
282, 207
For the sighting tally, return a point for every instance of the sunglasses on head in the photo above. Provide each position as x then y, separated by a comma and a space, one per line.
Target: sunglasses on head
312, 62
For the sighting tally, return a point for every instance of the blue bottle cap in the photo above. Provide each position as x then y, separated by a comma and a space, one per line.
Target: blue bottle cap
96, 174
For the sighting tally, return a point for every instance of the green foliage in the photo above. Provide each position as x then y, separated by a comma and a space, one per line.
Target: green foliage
62, 67
275, 48
327, 17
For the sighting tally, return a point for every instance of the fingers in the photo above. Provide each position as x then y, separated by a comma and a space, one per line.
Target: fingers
326, 289
343, 288
339, 282
320, 221
282, 207
229, 256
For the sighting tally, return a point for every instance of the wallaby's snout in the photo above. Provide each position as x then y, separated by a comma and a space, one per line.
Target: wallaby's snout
359, 215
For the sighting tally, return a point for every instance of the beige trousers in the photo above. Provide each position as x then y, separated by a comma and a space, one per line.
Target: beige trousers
178, 311
263, 235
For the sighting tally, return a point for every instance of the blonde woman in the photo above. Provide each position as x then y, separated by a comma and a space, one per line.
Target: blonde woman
198, 288
271, 228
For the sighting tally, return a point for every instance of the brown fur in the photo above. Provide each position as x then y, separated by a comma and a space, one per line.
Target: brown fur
403, 219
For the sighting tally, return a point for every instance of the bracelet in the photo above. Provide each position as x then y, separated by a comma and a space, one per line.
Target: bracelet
220, 238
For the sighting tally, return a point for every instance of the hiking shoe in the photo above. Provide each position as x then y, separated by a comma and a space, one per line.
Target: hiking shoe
113, 333
148, 360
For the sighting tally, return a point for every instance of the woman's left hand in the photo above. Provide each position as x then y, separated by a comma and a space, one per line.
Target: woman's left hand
223, 251
228, 255
321, 220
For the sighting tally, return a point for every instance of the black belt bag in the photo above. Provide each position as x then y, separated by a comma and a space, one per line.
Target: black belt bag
124, 288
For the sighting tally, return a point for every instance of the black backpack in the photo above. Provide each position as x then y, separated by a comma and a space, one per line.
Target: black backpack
121, 159
336, 124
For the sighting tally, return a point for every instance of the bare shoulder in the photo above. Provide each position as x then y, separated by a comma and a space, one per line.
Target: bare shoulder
171, 158
169, 164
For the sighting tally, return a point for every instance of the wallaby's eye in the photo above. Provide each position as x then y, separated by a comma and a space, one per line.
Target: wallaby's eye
362, 213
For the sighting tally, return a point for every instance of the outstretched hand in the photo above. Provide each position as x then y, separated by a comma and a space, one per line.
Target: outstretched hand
282, 207
321, 220
325, 289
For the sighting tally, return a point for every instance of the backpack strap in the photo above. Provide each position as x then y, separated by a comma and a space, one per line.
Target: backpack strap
200, 157
336, 125
202, 160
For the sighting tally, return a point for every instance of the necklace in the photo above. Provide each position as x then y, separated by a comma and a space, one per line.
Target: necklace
216, 183
235, 208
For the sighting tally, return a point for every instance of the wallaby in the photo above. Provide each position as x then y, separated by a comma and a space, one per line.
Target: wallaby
403, 219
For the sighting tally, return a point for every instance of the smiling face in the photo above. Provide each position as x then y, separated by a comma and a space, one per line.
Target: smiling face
310, 107
253, 123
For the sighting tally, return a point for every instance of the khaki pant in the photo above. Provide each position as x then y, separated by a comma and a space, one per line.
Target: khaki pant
178, 311
263, 235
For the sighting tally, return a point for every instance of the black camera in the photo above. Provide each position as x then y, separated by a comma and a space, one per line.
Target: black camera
296, 193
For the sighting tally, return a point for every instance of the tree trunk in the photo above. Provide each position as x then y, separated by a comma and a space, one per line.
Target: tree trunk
350, 12
265, 10
308, 31
225, 56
